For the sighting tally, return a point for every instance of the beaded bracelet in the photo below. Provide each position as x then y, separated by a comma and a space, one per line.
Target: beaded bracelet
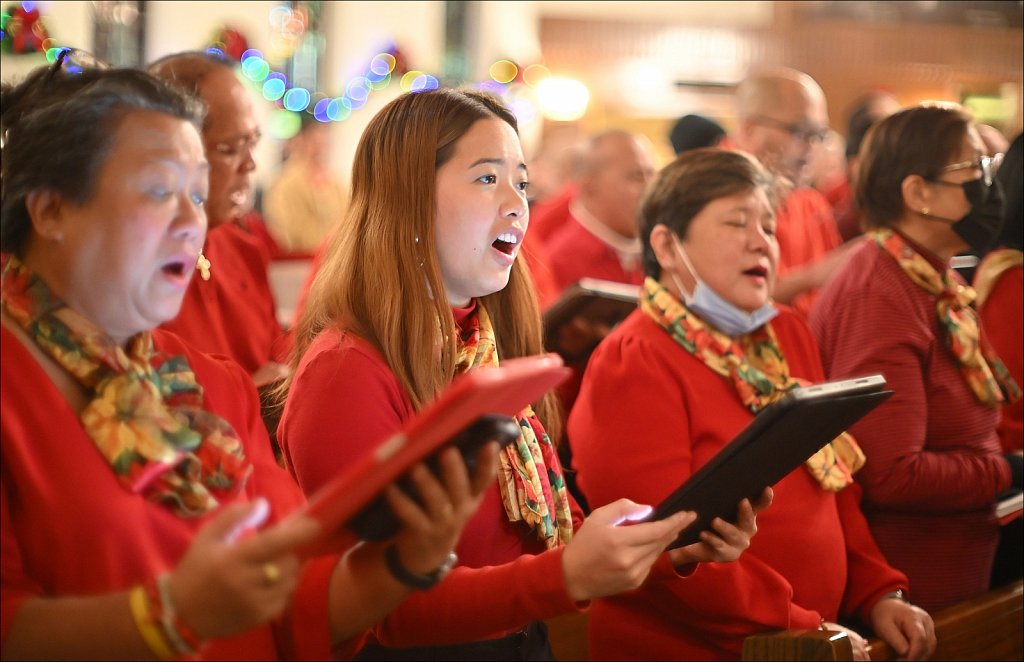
151, 632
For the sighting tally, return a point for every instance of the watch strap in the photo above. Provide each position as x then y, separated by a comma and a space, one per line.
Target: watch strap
412, 579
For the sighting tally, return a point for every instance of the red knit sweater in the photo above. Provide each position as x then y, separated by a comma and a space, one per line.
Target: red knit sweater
934, 462
812, 557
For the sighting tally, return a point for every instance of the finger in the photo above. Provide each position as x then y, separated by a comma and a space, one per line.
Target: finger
232, 520
731, 534
435, 499
486, 467
456, 478
656, 535
280, 539
406, 509
620, 511
746, 517
765, 500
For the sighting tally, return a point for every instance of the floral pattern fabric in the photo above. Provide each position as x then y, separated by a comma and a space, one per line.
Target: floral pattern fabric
145, 414
757, 369
530, 478
980, 367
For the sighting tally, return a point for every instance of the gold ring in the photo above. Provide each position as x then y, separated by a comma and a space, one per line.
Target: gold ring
271, 573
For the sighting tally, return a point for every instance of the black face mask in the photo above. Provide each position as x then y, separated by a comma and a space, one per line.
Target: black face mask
981, 226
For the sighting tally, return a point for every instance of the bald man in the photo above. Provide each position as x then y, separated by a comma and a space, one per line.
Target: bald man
233, 313
781, 114
597, 235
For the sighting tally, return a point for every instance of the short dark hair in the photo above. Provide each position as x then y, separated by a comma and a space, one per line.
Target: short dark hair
914, 141
693, 131
58, 129
684, 187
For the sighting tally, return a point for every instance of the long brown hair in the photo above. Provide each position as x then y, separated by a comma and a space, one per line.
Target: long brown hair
381, 277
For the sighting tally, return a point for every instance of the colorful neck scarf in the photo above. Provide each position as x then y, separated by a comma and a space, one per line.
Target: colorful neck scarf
757, 369
531, 481
986, 375
145, 415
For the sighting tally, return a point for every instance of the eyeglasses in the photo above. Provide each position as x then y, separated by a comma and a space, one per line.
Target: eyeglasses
798, 131
987, 164
234, 149
74, 61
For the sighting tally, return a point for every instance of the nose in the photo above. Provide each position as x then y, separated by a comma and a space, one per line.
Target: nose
190, 221
758, 239
248, 163
514, 204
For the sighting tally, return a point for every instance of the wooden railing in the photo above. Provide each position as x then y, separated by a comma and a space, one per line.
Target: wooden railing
989, 627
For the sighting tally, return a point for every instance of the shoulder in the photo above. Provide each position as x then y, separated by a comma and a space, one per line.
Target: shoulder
216, 373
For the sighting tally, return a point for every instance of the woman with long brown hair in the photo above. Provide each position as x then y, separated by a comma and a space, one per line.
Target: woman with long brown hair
424, 281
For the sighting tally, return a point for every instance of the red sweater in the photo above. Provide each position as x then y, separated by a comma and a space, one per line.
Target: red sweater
812, 557
344, 399
807, 233
69, 528
934, 464
575, 253
1003, 319
233, 313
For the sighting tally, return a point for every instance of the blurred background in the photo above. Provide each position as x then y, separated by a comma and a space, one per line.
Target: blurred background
568, 69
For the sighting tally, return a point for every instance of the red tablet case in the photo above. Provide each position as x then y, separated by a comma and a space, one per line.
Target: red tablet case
502, 390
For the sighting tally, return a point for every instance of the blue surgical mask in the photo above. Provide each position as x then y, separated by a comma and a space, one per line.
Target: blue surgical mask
716, 311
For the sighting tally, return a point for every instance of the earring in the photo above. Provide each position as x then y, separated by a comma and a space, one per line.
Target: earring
925, 211
203, 265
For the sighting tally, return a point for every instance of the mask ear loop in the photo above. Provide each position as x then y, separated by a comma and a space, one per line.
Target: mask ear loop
687, 296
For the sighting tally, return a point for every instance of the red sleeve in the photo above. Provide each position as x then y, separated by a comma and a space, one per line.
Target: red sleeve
884, 334
17, 586
869, 575
341, 402
1003, 321
604, 419
479, 603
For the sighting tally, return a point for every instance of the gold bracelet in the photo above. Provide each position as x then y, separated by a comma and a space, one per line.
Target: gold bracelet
149, 630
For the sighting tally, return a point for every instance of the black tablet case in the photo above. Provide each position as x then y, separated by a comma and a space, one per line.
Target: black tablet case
779, 439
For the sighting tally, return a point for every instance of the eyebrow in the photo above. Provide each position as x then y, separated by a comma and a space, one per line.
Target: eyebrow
493, 161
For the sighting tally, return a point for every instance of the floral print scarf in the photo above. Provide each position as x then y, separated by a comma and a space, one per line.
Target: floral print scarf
532, 486
145, 415
755, 366
980, 367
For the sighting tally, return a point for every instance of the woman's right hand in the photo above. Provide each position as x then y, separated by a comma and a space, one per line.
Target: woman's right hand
605, 558
430, 531
228, 582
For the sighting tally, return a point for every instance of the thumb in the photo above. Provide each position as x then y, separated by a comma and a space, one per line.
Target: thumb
620, 511
235, 520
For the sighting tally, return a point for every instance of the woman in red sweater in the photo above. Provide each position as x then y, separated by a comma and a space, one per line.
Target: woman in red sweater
137, 475
897, 308
703, 354
424, 281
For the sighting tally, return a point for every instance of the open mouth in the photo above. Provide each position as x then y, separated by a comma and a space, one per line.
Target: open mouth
759, 272
176, 268
506, 242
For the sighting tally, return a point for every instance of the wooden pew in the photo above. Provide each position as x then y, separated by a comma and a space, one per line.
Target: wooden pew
989, 627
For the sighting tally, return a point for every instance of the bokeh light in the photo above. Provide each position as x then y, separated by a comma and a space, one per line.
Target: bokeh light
504, 71
535, 73
382, 64
284, 124
296, 99
562, 99
408, 78
339, 109
273, 89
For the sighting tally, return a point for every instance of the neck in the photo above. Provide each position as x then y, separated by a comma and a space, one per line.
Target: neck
922, 231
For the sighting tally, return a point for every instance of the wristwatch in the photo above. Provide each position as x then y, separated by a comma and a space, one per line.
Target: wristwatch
895, 595
413, 580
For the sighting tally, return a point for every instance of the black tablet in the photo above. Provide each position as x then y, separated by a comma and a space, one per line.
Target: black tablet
584, 314
779, 439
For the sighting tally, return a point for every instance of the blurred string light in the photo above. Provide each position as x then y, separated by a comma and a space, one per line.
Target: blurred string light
527, 91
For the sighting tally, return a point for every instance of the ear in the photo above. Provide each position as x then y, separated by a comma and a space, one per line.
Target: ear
44, 208
664, 249
917, 195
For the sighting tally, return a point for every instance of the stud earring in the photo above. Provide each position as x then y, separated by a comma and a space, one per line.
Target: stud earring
925, 211
203, 265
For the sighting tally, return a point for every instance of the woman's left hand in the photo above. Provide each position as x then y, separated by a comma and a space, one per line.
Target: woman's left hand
731, 539
907, 629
